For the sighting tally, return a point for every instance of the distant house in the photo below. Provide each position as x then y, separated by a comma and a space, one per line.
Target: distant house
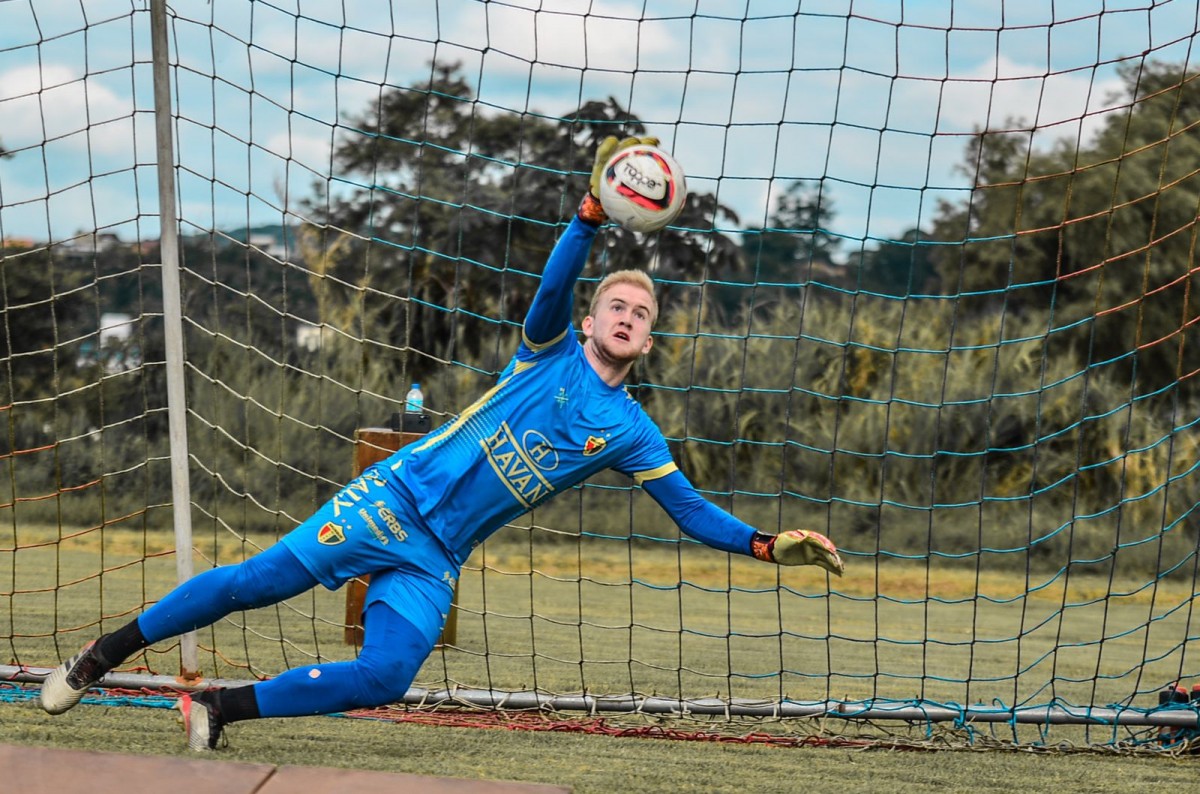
270, 244
277, 242
92, 243
115, 346
309, 336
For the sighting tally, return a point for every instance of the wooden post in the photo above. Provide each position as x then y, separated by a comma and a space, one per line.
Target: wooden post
371, 445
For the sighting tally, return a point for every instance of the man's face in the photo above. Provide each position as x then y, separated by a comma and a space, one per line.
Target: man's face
620, 328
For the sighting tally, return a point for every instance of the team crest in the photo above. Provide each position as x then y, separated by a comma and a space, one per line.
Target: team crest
593, 445
331, 534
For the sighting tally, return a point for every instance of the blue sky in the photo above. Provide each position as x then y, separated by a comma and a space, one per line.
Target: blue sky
875, 98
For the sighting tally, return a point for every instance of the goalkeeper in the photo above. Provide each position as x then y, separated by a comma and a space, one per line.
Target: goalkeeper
558, 414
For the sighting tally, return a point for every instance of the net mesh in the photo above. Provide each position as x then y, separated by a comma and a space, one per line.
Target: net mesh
930, 295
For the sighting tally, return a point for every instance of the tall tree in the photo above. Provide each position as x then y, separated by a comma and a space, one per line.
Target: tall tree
1100, 236
797, 237
898, 267
453, 208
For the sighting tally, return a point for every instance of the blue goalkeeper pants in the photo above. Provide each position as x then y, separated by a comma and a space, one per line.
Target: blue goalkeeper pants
392, 652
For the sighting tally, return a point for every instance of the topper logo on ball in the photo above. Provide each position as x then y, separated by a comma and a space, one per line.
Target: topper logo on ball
639, 180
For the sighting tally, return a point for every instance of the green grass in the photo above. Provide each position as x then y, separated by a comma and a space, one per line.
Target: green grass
598, 616
596, 763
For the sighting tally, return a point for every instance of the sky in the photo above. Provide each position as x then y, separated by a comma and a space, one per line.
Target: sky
873, 99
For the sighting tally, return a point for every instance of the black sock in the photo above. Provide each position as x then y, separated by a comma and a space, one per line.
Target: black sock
112, 649
235, 704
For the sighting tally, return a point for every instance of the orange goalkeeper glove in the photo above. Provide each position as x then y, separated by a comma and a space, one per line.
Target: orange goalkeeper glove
590, 208
798, 547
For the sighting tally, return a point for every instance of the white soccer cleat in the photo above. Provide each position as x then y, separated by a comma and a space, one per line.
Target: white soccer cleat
201, 723
68, 683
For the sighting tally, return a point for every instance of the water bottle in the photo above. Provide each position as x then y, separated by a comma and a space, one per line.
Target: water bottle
414, 419
414, 401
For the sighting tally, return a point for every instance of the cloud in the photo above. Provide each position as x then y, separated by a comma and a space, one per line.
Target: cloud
57, 102
881, 113
1069, 105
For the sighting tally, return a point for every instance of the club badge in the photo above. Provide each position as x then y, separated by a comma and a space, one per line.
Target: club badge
331, 534
593, 446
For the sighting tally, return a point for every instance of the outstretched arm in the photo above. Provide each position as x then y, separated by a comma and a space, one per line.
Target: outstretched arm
550, 313
711, 525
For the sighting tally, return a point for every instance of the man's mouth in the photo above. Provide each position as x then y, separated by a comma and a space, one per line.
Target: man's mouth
624, 337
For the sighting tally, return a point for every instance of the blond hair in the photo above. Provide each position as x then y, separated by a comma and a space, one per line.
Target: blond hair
635, 278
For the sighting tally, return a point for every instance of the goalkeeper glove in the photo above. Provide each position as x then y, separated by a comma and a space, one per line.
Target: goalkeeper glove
590, 208
798, 547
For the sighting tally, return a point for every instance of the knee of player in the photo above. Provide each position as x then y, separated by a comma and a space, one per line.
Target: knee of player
383, 680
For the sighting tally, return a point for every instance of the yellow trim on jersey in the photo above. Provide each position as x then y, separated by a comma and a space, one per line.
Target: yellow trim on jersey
521, 366
464, 416
538, 346
654, 474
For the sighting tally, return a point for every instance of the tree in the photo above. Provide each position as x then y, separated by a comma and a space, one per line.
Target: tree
41, 305
900, 268
1099, 237
454, 210
798, 236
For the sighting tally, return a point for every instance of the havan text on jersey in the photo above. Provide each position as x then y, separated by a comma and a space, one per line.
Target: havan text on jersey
521, 463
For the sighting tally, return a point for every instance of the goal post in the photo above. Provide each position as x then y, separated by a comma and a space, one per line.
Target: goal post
181, 495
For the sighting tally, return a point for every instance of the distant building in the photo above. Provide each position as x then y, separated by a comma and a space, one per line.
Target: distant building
270, 244
91, 243
309, 336
114, 346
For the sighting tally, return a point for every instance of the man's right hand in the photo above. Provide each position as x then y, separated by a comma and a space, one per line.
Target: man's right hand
607, 148
590, 209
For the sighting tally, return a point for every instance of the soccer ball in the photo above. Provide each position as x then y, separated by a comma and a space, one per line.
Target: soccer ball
642, 188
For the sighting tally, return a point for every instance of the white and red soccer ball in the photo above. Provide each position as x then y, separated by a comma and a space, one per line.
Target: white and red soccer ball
643, 188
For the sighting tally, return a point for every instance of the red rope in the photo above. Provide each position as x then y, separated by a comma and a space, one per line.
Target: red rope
531, 721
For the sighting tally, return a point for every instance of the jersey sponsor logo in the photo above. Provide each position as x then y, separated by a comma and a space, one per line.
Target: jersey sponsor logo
355, 491
593, 446
537, 447
393, 523
331, 534
371, 525
520, 463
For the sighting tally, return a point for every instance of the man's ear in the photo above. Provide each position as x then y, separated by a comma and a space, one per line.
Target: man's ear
586, 326
649, 344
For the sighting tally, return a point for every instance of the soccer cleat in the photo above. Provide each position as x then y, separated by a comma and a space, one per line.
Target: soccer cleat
201, 722
67, 684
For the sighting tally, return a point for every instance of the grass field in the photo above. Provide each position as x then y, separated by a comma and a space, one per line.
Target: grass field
569, 617
600, 763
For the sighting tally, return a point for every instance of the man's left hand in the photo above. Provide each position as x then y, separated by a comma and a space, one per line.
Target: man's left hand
805, 547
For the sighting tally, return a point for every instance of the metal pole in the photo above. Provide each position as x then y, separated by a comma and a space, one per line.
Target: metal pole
181, 497
913, 712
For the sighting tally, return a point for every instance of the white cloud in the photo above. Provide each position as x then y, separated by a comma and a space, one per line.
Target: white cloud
1001, 89
52, 101
746, 104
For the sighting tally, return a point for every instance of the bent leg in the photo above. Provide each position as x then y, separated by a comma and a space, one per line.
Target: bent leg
393, 651
267, 578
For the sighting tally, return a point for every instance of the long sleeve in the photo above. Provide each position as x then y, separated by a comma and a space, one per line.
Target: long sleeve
697, 516
550, 313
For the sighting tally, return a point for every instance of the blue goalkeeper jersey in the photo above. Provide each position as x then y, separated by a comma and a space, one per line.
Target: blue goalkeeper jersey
549, 423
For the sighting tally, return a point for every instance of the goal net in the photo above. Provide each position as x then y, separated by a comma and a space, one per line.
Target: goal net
932, 294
